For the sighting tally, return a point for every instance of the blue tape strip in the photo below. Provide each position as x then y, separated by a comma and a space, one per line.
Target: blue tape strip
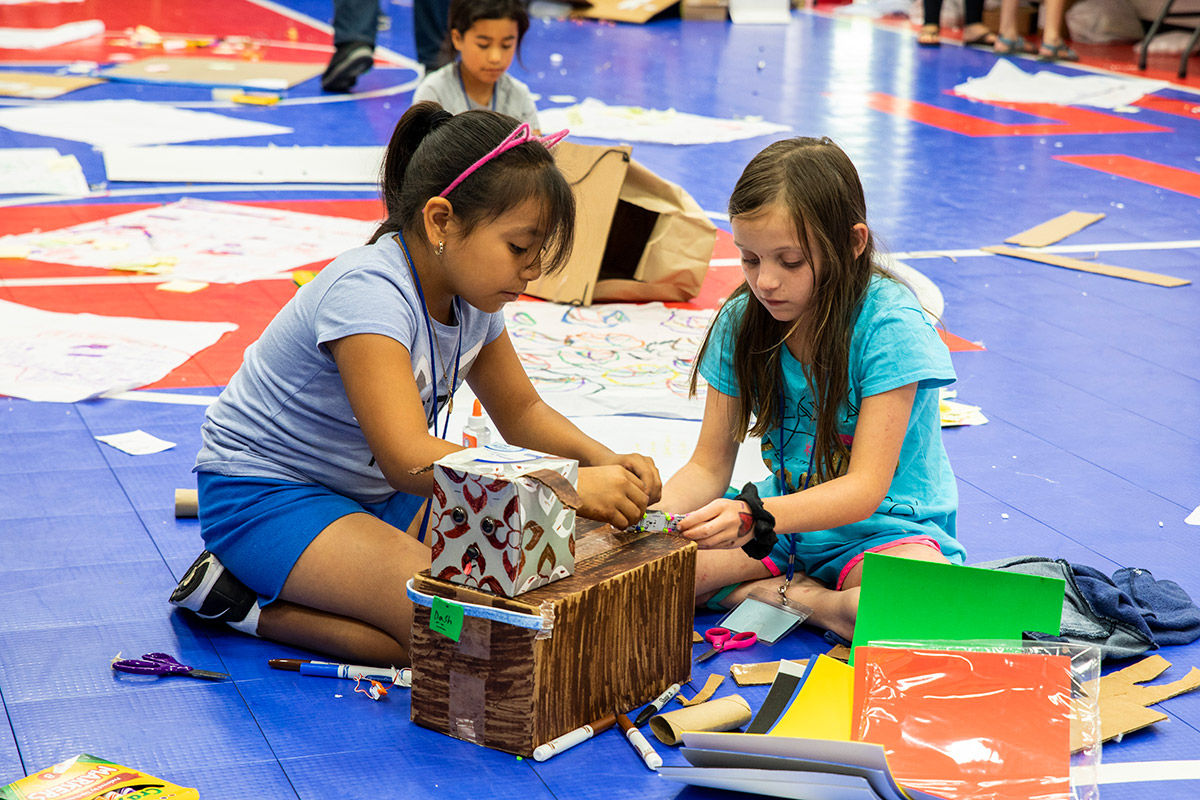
531, 621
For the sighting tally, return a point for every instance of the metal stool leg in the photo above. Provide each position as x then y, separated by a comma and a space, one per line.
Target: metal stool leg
1187, 51
1162, 14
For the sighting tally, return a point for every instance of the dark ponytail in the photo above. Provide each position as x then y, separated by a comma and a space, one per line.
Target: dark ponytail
430, 148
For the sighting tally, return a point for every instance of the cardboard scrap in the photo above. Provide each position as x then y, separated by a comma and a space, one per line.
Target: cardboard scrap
710, 688
761, 674
1054, 230
1125, 700
1128, 274
269, 75
635, 11
696, 637
41, 85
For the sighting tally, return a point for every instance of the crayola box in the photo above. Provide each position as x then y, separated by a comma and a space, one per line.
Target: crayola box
87, 777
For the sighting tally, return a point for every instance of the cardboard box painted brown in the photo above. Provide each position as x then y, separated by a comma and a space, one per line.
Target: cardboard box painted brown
621, 634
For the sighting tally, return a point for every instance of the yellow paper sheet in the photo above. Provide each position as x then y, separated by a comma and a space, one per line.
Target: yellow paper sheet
824, 705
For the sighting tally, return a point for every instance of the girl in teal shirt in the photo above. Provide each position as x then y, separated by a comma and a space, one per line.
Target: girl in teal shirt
835, 366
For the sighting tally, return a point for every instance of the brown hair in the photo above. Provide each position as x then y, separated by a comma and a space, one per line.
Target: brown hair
814, 181
430, 148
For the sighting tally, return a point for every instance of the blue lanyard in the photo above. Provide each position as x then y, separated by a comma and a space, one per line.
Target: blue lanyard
783, 490
433, 348
463, 86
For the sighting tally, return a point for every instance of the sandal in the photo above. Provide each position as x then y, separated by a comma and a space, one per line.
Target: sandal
1057, 52
929, 36
1011, 47
985, 39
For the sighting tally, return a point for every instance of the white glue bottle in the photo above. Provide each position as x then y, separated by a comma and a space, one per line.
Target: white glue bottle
476, 433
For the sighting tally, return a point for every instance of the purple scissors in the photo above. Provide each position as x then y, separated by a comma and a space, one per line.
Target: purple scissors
724, 639
162, 664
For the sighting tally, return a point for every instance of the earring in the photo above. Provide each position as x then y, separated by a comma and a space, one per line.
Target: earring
441, 247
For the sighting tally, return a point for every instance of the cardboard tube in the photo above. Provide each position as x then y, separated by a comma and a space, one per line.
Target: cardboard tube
187, 503
722, 714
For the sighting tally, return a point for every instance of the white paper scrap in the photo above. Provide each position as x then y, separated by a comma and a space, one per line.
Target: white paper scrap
41, 38
65, 358
136, 443
199, 240
40, 170
113, 123
1008, 83
1194, 517
233, 164
594, 119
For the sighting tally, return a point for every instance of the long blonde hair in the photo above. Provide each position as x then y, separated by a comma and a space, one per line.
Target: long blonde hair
814, 181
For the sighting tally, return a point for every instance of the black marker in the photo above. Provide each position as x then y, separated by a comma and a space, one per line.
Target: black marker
656, 706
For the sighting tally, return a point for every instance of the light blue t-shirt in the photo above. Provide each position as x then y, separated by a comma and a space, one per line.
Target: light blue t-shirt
893, 344
444, 87
285, 415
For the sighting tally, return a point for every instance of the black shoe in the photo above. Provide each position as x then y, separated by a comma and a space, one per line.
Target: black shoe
348, 62
212, 592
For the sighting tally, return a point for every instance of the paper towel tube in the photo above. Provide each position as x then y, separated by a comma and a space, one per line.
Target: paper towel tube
187, 503
722, 714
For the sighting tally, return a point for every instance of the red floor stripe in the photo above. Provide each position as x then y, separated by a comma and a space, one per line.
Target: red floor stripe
1140, 170
1171, 105
1068, 119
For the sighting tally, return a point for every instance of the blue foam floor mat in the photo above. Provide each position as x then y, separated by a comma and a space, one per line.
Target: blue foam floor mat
1091, 384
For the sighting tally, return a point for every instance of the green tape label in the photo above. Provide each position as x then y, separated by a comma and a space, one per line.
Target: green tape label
446, 618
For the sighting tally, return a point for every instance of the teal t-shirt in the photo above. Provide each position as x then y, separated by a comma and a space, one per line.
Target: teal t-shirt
893, 344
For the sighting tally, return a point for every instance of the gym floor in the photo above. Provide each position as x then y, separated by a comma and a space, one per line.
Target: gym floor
1091, 383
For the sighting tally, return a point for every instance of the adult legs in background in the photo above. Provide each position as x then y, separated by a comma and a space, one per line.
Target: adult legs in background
974, 31
1010, 40
355, 23
1054, 45
930, 33
431, 21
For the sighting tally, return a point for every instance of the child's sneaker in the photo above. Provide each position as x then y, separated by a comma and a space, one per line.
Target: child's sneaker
212, 592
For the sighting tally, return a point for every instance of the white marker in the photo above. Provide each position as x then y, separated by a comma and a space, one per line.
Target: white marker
569, 740
653, 760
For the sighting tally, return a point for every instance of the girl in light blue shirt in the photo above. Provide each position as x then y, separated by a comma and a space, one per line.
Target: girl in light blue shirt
835, 366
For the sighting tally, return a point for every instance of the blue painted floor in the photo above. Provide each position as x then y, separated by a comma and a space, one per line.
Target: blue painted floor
1091, 385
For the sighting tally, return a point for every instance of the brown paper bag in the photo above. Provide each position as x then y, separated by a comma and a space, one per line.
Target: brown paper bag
638, 237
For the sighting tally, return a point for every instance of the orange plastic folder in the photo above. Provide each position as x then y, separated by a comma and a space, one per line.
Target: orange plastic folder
903, 600
968, 725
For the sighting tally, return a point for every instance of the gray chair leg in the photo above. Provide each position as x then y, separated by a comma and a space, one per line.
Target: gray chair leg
1187, 51
1162, 14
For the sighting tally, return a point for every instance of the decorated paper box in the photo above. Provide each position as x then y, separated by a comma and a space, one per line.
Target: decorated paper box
503, 519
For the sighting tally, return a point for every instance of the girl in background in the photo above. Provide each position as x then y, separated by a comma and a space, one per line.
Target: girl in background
484, 35
306, 472
835, 366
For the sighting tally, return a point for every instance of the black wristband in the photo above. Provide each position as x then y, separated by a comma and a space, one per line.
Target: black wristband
764, 524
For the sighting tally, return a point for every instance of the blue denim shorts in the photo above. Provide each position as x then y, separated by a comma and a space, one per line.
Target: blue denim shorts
258, 527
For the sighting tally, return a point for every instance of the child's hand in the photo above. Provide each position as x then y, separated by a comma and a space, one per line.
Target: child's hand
722, 524
612, 494
647, 472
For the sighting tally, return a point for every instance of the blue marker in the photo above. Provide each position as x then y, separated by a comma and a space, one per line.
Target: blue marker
400, 677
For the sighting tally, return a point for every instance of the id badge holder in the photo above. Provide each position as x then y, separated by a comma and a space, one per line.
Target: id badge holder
767, 615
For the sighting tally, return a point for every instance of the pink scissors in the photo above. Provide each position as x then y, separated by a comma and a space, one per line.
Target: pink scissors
723, 639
